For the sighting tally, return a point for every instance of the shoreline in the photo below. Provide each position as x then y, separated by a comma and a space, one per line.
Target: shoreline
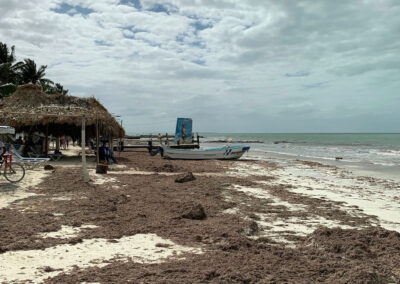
358, 168
259, 215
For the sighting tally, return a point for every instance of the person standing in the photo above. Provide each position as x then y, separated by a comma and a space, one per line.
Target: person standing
3, 150
106, 154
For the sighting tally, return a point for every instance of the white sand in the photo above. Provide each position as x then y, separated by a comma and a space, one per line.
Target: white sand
100, 178
377, 197
116, 166
66, 232
10, 193
264, 194
244, 170
360, 197
373, 198
279, 229
71, 151
231, 211
62, 198
28, 265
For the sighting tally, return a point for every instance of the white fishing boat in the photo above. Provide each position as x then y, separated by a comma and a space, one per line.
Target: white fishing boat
229, 152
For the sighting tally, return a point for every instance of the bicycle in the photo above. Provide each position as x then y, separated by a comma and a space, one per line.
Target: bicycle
12, 172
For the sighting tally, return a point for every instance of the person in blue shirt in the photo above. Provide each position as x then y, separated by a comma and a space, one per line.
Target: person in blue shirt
106, 154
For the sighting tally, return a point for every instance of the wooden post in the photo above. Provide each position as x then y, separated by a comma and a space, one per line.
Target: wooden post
111, 143
119, 147
120, 144
58, 143
97, 142
83, 142
47, 140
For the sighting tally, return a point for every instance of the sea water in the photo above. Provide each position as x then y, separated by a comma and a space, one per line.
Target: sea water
371, 154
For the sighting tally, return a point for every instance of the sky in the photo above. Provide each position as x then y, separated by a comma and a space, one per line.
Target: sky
231, 65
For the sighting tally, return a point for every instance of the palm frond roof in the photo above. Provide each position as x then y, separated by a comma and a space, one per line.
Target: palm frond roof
29, 108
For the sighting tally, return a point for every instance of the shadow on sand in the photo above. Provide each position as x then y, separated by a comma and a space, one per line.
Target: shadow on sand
6, 186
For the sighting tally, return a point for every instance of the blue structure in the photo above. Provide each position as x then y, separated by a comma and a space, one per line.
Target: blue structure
183, 132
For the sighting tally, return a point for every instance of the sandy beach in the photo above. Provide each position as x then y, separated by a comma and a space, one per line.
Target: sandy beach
242, 221
294, 103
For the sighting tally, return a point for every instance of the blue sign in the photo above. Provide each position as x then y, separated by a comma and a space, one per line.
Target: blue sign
183, 133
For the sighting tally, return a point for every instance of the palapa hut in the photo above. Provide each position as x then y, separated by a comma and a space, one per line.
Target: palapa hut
30, 109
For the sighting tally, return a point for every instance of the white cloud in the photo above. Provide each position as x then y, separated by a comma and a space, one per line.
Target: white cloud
222, 62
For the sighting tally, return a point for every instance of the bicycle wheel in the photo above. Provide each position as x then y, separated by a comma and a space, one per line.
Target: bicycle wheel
14, 173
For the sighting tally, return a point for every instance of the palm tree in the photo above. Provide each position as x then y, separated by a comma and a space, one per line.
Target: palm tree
60, 89
9, 76
30, 74
52, 89
8, 70
48, 88
5, 54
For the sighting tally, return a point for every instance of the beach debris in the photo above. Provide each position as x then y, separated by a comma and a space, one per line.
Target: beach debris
101, 169
48, 269
162, 245
194, 211
339, 158
119, 199
254, 217
187, 177
167, 168
48, 168
281, 142
211, 275
252, 229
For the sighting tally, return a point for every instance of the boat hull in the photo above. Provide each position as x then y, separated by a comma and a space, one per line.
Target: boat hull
223, 153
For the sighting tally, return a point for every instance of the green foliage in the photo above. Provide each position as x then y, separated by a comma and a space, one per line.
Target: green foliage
5, 55
30, 74
51, 88
9, 72
7, 89
12, 75
60, 89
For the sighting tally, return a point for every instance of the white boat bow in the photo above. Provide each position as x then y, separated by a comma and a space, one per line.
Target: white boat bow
228, 152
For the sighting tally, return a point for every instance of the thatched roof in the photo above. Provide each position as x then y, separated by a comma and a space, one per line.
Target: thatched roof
29, 109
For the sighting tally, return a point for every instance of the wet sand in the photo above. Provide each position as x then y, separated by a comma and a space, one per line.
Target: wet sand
265, 223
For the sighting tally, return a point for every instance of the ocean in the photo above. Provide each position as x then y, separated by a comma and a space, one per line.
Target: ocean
372, 154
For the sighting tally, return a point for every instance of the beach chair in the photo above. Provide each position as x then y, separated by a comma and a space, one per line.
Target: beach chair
35, 153
29, 163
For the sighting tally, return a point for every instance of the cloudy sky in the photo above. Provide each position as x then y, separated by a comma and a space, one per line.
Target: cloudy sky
231, 65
